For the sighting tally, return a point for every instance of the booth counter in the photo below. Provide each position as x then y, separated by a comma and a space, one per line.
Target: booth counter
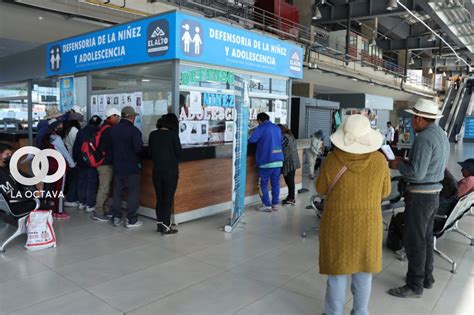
205, 184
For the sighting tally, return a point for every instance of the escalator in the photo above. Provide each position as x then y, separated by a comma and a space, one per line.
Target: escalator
460, 114
452, 109
447, 105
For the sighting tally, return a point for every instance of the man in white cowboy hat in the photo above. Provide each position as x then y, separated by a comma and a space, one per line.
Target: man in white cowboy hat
423, 172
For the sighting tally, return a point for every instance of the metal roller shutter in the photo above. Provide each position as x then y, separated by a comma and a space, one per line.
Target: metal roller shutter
316, 119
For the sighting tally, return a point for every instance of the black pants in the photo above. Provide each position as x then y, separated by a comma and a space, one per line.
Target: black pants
131, 184
290, 182
420, 211
165, 187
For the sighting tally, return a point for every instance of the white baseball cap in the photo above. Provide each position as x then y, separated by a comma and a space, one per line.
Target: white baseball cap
112, 111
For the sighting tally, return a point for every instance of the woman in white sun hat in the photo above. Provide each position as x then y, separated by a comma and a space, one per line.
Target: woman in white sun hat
354, 178
423, 172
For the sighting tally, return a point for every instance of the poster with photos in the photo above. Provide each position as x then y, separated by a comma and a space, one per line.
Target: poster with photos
229, 131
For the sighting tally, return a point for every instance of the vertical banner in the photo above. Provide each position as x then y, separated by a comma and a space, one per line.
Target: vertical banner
66, 93
239, 156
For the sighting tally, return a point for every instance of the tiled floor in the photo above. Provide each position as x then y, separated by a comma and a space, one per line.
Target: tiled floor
263, 267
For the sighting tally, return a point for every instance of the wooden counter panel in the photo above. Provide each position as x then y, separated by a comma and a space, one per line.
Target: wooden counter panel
203, 183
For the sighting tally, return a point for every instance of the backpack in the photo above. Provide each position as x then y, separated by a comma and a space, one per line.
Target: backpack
91, 154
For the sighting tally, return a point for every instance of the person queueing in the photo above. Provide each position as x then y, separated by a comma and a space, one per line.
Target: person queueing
105, 170
70, 130
165, 149
291, 162
423, 173
127, 147
315, 152
269, 158
354, 179
88, 178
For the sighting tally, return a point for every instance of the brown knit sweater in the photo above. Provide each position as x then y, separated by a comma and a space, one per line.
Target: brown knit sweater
351, 225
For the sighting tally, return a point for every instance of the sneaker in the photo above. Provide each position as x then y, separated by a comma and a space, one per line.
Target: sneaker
264, 209
169, 232
405, 292
100, 217
108, 214
116, 221
71, 204
81, 206
290, 202
275, 208
90, 209
135, 223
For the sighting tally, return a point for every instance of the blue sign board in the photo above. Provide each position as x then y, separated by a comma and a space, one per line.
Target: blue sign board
66, 93
174, 35
469, 127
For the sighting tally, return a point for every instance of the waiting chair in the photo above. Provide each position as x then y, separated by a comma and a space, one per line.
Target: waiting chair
451, 223
15, 219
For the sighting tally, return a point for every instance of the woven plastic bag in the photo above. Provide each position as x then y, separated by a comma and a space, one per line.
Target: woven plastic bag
39, 227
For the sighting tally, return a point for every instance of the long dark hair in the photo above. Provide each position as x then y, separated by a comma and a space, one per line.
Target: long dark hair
285, 130
68, 125
169, 121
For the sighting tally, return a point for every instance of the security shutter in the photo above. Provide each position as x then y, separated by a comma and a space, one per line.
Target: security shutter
316, 119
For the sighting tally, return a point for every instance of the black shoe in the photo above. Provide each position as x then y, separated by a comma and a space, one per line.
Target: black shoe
159, 227
405, 292
428, 284
287, 201
169, 232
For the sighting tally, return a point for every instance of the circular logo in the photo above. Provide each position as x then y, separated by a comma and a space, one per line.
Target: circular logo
39, 166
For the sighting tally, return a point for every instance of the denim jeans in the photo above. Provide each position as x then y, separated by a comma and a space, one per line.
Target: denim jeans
420, 212
336, 294
88, 180
72, 194
131, 185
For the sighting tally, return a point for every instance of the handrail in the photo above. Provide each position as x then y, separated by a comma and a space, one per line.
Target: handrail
312, 38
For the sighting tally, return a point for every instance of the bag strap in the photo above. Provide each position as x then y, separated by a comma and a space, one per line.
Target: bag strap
98, 135
335, 180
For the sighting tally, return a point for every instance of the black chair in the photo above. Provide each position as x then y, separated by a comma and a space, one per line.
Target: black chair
16, 219
450, 223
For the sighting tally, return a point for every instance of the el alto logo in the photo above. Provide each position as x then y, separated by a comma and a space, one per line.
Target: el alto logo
157, 38
295, 62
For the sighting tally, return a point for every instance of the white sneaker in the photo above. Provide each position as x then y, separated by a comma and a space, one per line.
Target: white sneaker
264, 209
81, 206
90, 209
71, 204
132, 225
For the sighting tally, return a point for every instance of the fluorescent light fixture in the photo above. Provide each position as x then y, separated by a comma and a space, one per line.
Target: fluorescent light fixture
317, 14
354, 79
444, 73
392, 5
412, 61
145, 80
430, 71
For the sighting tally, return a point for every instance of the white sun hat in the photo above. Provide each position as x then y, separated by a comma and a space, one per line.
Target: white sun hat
355, 135
425, 108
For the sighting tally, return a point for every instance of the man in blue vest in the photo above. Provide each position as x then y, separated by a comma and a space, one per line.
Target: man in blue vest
269, 158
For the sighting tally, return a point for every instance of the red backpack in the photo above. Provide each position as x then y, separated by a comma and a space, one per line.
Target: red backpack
90, 152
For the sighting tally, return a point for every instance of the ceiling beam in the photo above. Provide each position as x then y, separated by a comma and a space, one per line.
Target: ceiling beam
414, 43
361, 10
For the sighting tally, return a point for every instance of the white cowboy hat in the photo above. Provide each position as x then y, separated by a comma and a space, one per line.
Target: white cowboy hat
355, 135
425, 108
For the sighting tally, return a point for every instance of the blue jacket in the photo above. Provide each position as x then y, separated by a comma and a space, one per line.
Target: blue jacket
43, 128
269, 140
127, 147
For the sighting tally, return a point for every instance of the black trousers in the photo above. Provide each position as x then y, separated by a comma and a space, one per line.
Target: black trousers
420, 211
290, 182
131, 185
165, 188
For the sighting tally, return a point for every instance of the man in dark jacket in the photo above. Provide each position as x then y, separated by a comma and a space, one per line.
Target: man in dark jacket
269, 157
127, 146
105, 170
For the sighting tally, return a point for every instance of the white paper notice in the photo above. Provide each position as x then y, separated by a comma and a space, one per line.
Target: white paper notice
94, 105
137, 101
148, 108
195, 103
102, 102
123, 100
278, 108
161, 107
284, 117
388, 152
272, 116
229, 131
129, 100
184, 131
